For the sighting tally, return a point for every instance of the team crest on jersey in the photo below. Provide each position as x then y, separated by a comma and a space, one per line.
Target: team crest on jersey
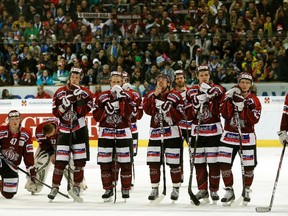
206, 113
10, 154
70, 116
234, 122
114, 119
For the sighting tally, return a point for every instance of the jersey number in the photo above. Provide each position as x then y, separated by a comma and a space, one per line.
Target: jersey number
13, 141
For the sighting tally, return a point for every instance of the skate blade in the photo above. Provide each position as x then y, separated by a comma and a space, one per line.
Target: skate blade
75, 197
245, 203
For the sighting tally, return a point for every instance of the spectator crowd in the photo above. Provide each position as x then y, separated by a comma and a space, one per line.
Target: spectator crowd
40, 40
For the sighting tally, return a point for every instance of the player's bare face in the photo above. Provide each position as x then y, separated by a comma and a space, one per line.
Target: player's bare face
180, 81
245, 85
75, 79
203, 77
116, 80
162, 83
14, 123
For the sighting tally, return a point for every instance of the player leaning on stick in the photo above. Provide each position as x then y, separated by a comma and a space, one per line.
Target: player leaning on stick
15, 143
112, 110
239, 102
170, 105
71, 103
205, 98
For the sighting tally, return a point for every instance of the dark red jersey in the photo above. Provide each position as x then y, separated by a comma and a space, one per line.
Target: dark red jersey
76, 112
248, 117
138, 106
284, 119
47, 144
14, 146
123, 109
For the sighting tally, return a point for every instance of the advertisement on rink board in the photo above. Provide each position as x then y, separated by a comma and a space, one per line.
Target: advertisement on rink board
35, 111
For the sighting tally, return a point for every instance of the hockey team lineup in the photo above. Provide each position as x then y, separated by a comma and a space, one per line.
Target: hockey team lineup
178, 114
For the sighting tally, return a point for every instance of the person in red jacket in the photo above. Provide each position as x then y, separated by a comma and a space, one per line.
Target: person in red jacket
15, 144
113, 109
206, 132
70, 104
241, 110
41, 94
166, 109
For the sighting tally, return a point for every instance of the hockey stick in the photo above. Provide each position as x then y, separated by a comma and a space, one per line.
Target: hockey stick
11, 164
115, 165
268, 208
241, 198
192, 159
161, 197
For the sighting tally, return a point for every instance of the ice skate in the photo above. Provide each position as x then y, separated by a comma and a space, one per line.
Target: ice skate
107, 195
203, 195
246, 198
175, 194
125, 194
214, 196
75, 193
229, 197
53, 193
154, 194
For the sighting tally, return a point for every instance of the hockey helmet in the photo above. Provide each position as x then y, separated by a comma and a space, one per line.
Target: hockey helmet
179, 72
116, 73
245, 75
164, 76
202, 68
76, 70
14, 113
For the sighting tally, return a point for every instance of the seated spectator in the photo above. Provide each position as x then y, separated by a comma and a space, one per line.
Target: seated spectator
28, 79
6, 94
14, 69
16, 81
3, 76
89, 78
98, 90
44, 78
60, 76
41, 94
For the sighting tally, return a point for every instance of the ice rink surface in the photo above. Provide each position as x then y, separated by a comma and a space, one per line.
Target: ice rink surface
268, 159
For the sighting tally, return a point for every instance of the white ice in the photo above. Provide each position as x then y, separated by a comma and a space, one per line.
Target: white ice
268, 159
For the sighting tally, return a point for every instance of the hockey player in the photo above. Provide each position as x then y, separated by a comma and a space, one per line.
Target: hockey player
166, 110
135, 115
70, 105
241, 110
46, 136
15, 143
206, 132
185, 123
112, 110
283, 137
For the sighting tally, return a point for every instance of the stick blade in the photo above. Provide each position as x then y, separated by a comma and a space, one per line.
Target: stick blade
158, 200
262, 209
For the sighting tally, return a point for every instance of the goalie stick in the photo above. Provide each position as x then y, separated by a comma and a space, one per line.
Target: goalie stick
11, 164
268, 208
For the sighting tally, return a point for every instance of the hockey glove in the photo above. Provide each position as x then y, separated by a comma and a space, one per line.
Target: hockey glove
116, 89
158, 103
283, 137
199, 99
204, 87
77, 92
32, 172
166, 107
232, 91
65, 102
212, 92
109, 108
238, 102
